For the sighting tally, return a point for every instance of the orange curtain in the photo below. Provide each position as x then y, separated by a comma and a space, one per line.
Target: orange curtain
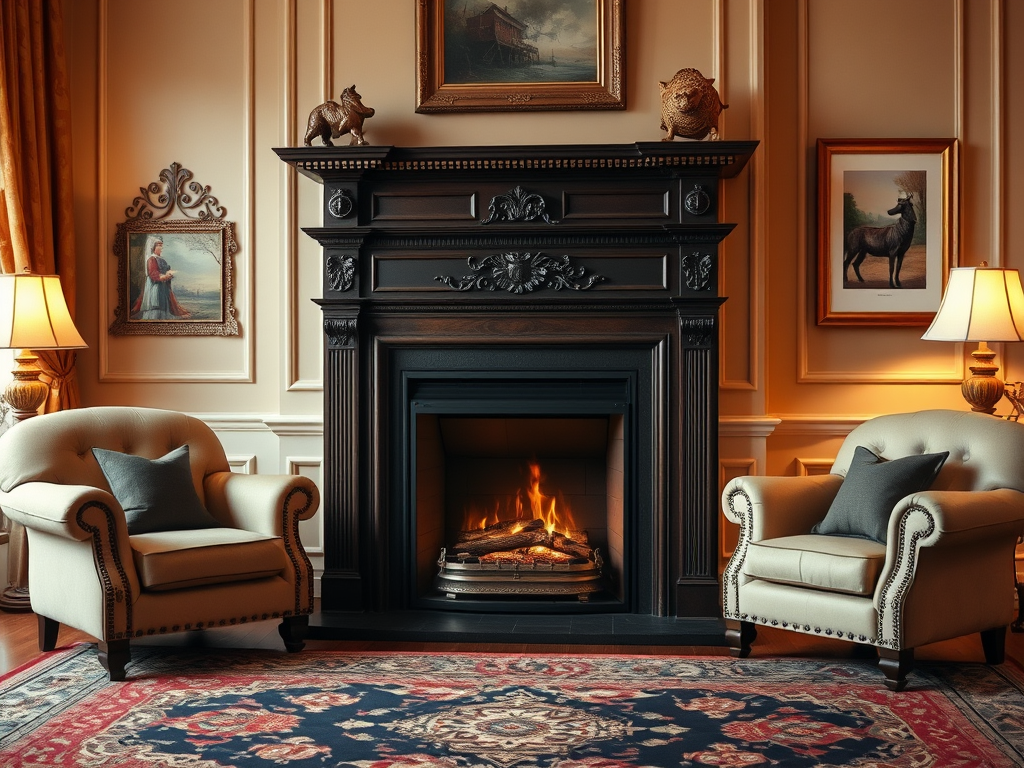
37, 204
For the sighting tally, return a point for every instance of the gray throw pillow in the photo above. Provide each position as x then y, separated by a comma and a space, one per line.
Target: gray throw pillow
872, 488
156, 495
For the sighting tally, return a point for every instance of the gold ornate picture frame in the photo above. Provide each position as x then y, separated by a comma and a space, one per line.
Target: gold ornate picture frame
175, 276
882, 197
478, 57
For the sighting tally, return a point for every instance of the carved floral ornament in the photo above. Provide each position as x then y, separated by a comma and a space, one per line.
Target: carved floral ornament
341, 273
517, 205
521, 272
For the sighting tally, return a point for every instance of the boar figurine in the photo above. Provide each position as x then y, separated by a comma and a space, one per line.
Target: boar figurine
690, 106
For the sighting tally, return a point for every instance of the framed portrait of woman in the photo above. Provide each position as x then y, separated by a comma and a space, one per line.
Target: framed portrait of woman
175, 278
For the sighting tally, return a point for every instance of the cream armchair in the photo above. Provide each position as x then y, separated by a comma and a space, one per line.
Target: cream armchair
945, 569
86, 571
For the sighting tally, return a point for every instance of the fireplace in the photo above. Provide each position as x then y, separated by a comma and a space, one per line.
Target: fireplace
489, 309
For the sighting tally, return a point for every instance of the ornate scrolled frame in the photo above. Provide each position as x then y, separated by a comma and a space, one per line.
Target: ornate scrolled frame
147, 214
434, 95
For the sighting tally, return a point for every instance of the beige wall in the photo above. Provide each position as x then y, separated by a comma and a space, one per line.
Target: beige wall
215, 85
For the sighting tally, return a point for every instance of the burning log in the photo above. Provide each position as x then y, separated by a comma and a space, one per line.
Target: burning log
499, 529
503, 542
563, 543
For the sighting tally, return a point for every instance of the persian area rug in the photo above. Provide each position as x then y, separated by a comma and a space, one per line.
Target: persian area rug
406, 710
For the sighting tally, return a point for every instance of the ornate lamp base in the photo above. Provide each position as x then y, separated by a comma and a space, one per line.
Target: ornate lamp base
25, 394
983, 389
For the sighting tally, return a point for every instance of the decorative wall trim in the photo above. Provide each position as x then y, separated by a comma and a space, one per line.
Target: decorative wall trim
295, 426
747, 426
243, 277
282, 425
245, 465
821, 425
807, 467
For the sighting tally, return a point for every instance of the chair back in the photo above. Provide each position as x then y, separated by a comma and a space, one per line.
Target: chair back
985, 452
56, 447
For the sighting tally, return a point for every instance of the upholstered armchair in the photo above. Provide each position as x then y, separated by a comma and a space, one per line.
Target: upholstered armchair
222, 549
937, 563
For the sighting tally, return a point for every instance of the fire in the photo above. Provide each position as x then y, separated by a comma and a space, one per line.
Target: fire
553, 510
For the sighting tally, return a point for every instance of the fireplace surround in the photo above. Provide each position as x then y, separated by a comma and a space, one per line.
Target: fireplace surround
500, 285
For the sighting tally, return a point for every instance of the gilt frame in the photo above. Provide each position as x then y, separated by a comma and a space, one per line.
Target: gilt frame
874, 169
437, 94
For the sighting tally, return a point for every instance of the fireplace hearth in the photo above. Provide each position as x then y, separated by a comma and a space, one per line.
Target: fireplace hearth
492, 309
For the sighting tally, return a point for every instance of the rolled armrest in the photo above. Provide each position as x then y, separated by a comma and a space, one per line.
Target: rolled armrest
960, 514
260, 503
970, 537
54, 508
770, 507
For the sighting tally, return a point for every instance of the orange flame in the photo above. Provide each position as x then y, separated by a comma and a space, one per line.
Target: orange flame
553, 510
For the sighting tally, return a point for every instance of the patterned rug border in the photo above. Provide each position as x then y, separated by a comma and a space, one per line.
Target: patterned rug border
988, 698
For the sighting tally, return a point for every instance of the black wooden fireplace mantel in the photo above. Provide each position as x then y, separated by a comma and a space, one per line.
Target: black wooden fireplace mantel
606, 255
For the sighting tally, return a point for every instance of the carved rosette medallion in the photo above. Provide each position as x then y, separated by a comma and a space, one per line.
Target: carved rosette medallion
341, 332
698, 330
341, 273
517, 205
521, 272
340, 205
696, 269
697, 201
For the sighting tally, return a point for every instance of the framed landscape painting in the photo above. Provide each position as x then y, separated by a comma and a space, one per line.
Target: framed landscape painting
887, 229
478, 56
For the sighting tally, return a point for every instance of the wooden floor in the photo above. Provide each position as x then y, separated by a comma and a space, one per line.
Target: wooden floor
18, 644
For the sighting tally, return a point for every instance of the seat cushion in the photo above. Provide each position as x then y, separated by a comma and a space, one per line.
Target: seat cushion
176, 559
838, 564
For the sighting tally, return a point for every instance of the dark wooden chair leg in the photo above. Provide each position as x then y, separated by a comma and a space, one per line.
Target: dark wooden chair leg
114, 656
993, 642
739, 635
293, 631
48, 629
895, 665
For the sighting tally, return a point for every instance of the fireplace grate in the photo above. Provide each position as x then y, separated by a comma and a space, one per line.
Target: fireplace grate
579, 578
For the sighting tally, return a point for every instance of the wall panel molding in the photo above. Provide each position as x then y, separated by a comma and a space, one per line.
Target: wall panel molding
755, 213
291, 233
807, 467
244, 278
950, 368
243, 464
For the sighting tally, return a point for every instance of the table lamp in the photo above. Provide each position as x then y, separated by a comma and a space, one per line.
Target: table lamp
980, 304
33, 315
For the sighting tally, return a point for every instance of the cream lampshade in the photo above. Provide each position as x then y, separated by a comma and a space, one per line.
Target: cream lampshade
980, 304
33, 315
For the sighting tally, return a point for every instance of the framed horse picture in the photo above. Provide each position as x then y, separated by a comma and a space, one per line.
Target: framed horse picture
887, 229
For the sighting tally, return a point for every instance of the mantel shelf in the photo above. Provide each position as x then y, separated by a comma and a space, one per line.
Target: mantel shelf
724, 159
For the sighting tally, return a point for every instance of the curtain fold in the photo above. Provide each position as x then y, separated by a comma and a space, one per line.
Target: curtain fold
37, 205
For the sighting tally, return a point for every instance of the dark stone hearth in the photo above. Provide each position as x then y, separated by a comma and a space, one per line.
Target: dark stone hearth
514, 271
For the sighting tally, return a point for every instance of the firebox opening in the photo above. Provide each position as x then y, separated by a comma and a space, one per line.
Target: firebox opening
524, 508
